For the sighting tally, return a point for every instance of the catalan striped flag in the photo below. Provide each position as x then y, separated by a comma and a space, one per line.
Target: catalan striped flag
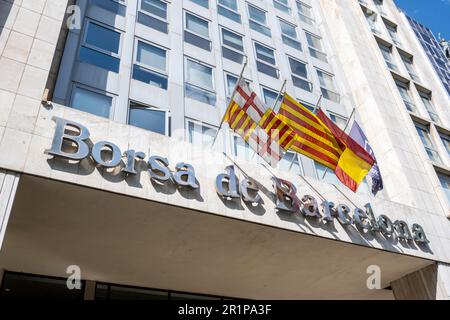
261, 128
355, 162
313, 138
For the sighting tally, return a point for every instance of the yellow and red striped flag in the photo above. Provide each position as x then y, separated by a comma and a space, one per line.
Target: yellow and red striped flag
313, 137
260, 127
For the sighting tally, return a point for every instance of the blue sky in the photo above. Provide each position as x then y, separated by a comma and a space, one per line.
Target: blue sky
435, 14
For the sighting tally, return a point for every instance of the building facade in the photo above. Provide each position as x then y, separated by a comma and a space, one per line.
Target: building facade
141, 79
435, 52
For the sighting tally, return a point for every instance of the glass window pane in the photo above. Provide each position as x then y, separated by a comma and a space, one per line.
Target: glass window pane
148, 119
152, 22
446, 141
288, 29
99, 59
231, 4
103, 38
111, 5
265, 54
156, 7
199, 75
129, 293
200, 95
203, 3
298, 68
314, 41
201, 135
147, 76
232, 39
92, 102
257, 15
326, 80
197, 25
151, 56
229, 13
270, 97
445, 183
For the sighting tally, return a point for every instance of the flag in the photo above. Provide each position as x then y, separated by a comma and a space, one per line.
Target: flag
260, 127
313, 138
354, 162
375, 175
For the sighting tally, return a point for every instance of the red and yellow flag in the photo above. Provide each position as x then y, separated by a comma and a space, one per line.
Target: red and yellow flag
314, 139
354, 162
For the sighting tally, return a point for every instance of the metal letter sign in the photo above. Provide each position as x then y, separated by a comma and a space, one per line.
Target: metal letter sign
70, 142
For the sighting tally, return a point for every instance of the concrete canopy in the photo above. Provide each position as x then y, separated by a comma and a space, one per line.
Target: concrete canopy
125, 240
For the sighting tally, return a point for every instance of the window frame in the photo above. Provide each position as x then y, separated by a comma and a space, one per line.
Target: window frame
199, 123
258, 60
434, 116
152, 15
166, 111
148, 67
226, 8
296, 39
222, 44
185, 29
432, 147
77, 85
213, 80
284, 5
334, 89
265, 26
308, 18
101, 50
311, 85
321, 51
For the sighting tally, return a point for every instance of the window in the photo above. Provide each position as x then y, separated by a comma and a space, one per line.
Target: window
199, 82
197, 32
408, 62
445, 183
150, 65
270, 97
327, 86
387, 55
265, 60
114, 6
289, 35
299, 74
101, 47
203, 3
446, 141
201, 135
258, 20
242, 149
229, 9
282, 5
92, 102
230, 84
305, 13
424, 135
290, 163
116, 292
426, 100
379, 4
232, 46
147, 118
153, 14
403, 89
315, 47
371, 18
339, 120
325, 174
392, 29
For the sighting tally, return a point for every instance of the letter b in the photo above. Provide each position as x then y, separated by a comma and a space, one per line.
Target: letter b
60, 136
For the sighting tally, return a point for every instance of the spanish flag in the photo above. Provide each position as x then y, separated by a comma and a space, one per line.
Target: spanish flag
354, 162
314, 139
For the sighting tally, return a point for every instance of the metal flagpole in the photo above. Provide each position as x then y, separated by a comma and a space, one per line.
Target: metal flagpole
278, 96
232, 97
346, 125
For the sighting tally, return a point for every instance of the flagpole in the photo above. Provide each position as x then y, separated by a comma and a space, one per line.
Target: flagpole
346, 125
231, 99
279, 94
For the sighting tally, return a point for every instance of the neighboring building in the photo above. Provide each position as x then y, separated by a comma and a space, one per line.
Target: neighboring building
155, 77
439, 56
